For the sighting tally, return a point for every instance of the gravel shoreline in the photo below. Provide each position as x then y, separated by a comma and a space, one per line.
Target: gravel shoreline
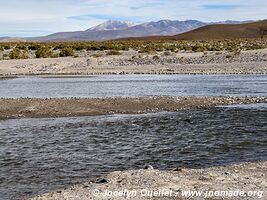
246, 181
131, 62
71, 107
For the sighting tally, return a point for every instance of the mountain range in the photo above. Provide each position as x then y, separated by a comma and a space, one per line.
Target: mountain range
251, 30
110, 30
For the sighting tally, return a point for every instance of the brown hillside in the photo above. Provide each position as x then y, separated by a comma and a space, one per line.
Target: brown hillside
218, 31
227, 31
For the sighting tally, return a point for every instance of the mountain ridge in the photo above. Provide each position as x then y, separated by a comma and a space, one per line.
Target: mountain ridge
250, 30
112, 30
111, 25
124, 30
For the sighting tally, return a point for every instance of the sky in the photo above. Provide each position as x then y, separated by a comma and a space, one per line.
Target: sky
27, 18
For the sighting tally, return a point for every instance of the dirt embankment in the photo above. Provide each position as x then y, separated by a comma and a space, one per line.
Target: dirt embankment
245, 181
37, 108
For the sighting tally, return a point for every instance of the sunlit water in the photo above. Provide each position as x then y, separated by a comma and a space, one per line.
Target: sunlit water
136, 85
41, 155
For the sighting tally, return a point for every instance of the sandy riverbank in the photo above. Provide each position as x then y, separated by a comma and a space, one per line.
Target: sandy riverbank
37, 108
249, 178
131, 62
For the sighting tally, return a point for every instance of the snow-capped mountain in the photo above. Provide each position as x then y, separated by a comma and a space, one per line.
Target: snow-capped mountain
111, 25
118, 29
168, 27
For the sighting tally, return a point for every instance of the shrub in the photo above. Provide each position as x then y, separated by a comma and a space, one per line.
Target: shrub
5, 55
7, 47
97, 55
198, 48
155, 57
148, 50
43, 52
16, 53
125, 48
113, 52
33, 47
167, 53
187, 48
228, 56
21, 47
80, 47
66, 51
25, 54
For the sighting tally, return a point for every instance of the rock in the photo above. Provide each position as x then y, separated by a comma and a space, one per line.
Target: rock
178, 169
101, 181
188, 120
148, 167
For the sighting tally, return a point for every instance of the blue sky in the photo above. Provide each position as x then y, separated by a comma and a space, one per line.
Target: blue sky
35, 18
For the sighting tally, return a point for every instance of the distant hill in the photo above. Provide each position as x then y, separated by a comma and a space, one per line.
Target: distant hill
227, 31
219, 31
11, 39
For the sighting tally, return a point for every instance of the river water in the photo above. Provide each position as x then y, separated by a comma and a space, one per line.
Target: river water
135, 85
41, 155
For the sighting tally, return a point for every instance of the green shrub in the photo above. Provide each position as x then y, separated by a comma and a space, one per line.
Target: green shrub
66, 51
113, 52
198, 48
44, 52
7, 47
33, 47
187, 48
97, 55
21, 47
16, 53
25, 54
147, 49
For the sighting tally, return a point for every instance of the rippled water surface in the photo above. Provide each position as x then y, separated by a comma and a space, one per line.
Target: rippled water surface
136, 85
40, 155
